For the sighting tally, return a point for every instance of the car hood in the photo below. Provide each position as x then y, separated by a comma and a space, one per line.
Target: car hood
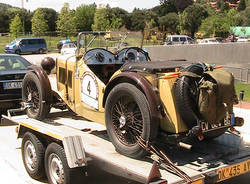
13, 74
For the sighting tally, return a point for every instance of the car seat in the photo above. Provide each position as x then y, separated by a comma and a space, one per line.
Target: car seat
16, 66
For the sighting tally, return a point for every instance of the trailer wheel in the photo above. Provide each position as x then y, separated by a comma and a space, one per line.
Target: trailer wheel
57, 169
33, 156
35, 96
127, 117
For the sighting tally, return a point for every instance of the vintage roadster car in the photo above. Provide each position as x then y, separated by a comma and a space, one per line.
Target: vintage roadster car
133, 96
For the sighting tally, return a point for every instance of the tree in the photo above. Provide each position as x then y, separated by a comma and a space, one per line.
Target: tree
66, 22
121, 15
246, 17
137, 20
181, 5
215, 25
50, 17
169, 22
39, 24
192, 18
109, 18
242, 5
220, 4
15, 26
101, 20
166, 6
4, 21
233, 18
85, 17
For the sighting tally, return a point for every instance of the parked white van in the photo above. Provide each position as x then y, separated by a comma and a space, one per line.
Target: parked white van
179, 39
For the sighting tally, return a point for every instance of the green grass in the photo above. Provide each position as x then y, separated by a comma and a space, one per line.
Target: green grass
242, 86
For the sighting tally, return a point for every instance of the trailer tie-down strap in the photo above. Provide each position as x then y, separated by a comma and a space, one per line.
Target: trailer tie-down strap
163, 160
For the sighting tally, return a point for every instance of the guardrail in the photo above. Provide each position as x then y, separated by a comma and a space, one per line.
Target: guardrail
240, 74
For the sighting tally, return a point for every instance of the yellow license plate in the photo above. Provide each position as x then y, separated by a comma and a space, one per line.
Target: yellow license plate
233, 170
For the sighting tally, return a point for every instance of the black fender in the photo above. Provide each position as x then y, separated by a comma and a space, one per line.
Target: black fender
155, 105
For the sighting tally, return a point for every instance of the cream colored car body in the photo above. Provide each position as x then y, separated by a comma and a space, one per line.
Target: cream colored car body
70, 76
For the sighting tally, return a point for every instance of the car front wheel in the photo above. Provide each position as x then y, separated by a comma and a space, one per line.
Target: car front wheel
34, 96
127, 118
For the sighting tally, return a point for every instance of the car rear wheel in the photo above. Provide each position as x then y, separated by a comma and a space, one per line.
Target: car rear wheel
40, 51
35, 97
18, 52
128, 117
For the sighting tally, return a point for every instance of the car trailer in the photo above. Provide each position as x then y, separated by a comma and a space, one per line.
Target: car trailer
63, 145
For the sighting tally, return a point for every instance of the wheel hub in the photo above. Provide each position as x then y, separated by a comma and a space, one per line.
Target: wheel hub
56, 170
30, 155
122, 121
29, 97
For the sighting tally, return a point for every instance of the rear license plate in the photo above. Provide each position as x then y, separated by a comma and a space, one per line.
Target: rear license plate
12, 85
205, 126
233, 170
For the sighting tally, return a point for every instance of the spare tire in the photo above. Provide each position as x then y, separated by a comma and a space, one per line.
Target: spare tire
187, 93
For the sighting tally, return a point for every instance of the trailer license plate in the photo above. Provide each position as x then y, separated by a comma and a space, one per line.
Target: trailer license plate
12, 85
233, 170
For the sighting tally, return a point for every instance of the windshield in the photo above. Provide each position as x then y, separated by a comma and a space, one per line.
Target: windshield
16, 41
112, 41
13, 63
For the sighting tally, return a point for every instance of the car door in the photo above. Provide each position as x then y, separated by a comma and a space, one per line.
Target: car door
89, 92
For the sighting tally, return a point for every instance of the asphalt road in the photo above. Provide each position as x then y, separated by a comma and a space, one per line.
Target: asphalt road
37, 58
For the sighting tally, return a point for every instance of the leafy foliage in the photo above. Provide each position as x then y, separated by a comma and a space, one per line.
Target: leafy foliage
50, 16
101, 20
242, 5
66, 22
85, 17
4, 21
169, 22
16, 26
109, 19
39, 24
246, 17
137, 20
167, 6
192, 18
219, 24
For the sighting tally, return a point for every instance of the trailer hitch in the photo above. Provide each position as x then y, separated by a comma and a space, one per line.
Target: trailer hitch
161, 158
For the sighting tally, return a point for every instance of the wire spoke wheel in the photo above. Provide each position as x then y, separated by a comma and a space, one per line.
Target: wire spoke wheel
127, 120
127, 117
36, 95
32, 96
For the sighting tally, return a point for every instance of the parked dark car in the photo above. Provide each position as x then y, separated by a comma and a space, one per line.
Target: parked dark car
12, 71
